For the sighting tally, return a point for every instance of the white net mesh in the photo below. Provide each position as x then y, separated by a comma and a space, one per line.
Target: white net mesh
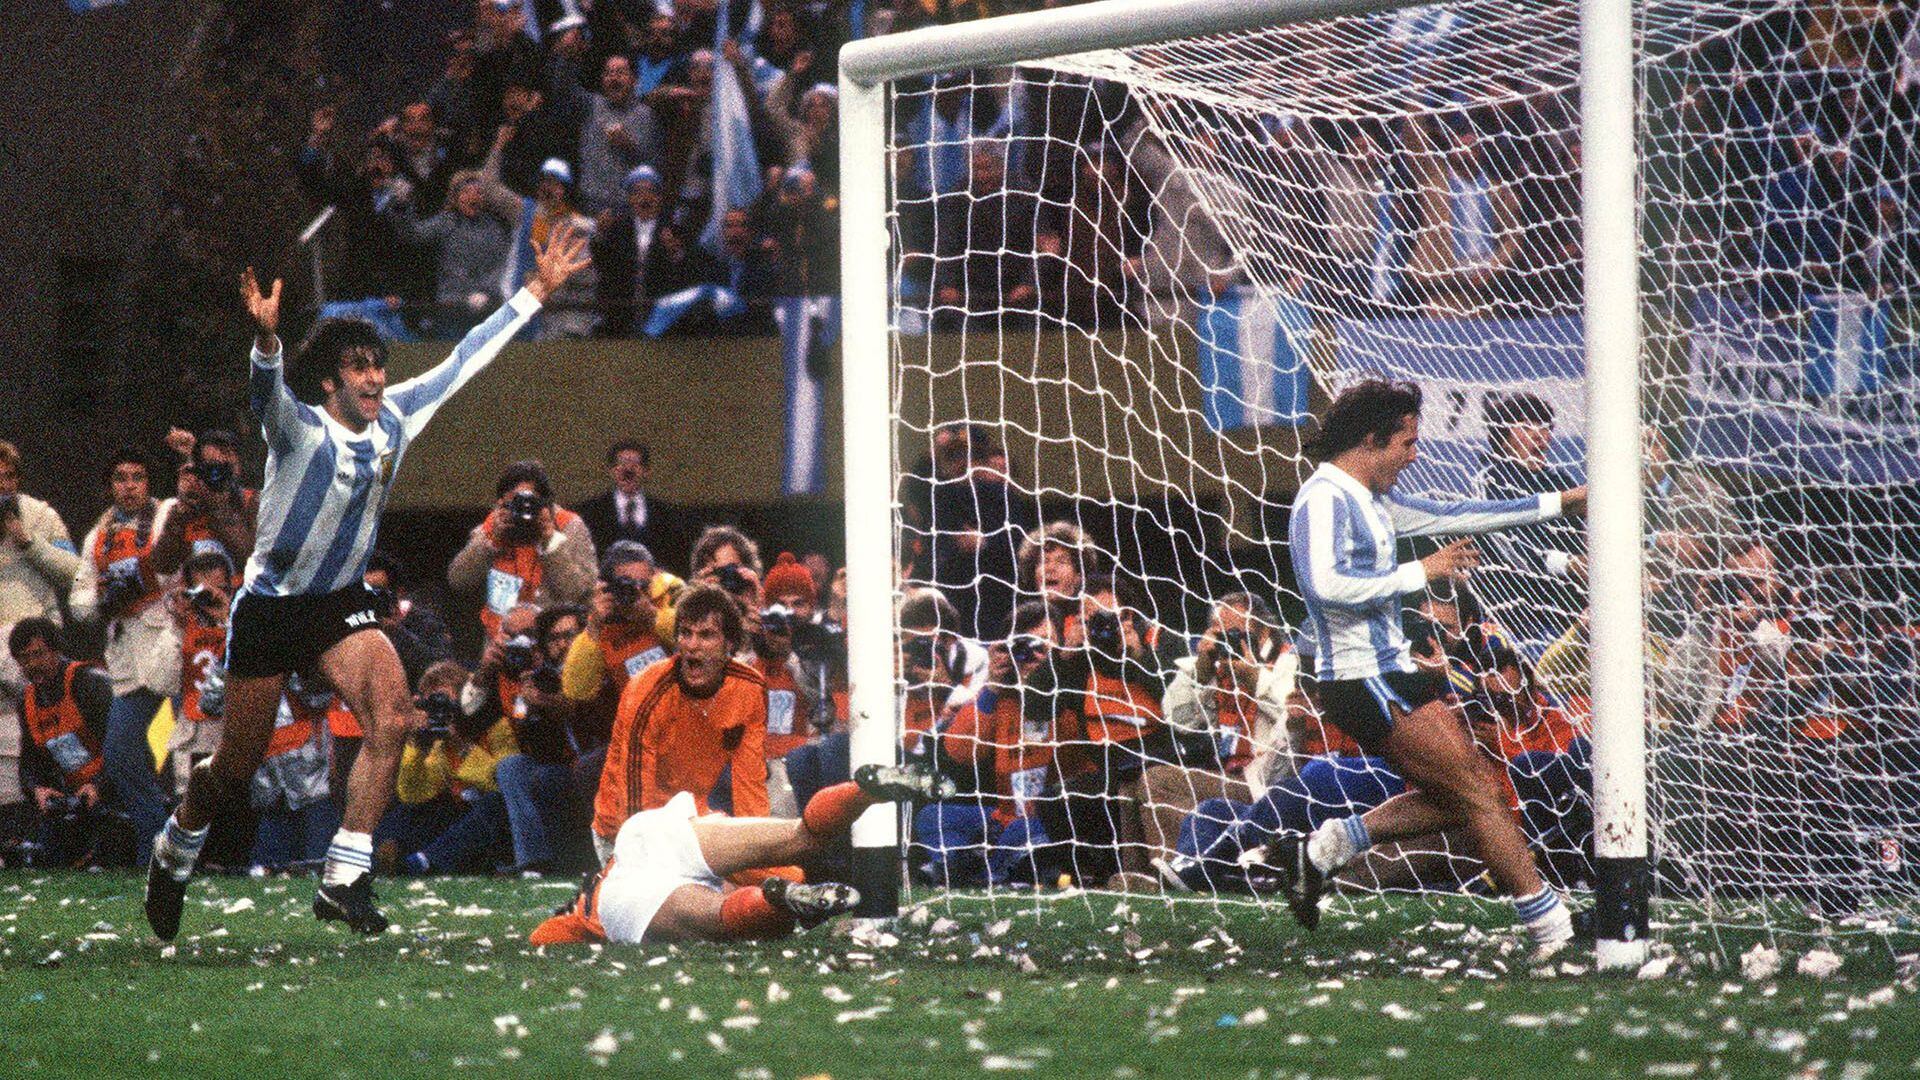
1123, 280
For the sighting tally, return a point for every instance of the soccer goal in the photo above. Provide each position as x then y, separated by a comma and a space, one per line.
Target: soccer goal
1101, 263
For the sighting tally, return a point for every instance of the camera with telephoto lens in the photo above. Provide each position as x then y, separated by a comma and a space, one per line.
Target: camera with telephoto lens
523, 517
1103, 633
732, 578
121, 588
441, 712
205, 599
519, 656
821, 643
217, 476
778, 620
1024, 648
623, 591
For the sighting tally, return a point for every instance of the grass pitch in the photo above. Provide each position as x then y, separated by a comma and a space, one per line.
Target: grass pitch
1059, 986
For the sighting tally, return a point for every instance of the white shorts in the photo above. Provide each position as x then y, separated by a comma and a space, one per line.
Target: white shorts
655, 853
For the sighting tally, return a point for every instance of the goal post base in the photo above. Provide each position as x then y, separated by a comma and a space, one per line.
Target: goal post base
1620, 912
876, 873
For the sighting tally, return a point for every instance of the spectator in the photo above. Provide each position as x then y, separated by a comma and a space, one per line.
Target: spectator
530, 132
1099, 231
629, 628
1478, 231
537, 783
750, 270
660, 59
292, 791
63, 722
1054, 564
804, 226
195, 651
454, 97
630, 512
471, 244
685, 289
620, 134
810, 132
116, 582
377, 260
212, 511
1023, 741
37, 564
622, 252
976, 525
953, 117
569, 312
984, 244
723, 545
527, 551
451, 815
1185, 260
421, 151
1534, 576
686, 718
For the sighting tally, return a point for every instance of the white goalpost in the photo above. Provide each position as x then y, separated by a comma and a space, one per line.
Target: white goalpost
1099, 263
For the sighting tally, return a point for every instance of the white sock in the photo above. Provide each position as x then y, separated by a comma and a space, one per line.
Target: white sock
1546, 918
350, 856
1337, 842
178, 849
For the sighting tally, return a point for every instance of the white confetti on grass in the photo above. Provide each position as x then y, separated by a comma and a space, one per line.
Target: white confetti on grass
1760, 963
851, 1015
1820, 964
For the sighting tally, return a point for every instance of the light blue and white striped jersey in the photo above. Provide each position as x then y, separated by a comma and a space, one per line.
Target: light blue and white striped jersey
1342, 538
326, 485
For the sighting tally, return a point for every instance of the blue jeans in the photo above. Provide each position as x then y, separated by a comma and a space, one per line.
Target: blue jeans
129, 765
534, 793
285, 836
468, 843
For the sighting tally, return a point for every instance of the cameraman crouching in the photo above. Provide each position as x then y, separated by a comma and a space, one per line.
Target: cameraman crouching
537, 782
192, 658
451, 815
527, 551
63, 721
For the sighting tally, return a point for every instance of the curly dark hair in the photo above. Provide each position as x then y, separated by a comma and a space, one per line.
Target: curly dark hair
700, 601
1369, 409
319, 357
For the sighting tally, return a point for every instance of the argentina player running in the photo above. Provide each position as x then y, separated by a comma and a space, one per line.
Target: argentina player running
303, 608
1346, 521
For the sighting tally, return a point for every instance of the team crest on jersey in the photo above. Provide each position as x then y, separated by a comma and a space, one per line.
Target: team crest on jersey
386, 467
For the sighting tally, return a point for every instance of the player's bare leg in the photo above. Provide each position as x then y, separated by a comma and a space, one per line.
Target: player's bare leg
252, 705
365, 671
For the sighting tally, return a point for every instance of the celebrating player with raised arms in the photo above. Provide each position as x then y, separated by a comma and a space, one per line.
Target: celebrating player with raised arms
1346, 522
332, 451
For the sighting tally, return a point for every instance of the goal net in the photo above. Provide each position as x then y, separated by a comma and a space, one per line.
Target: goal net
1121, 282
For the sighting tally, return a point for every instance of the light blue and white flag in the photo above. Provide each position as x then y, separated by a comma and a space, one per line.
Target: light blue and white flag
1253, 359
673, 307
736, 163
809, 326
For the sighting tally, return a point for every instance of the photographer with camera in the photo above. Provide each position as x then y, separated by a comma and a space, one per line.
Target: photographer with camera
63, 722
211, 512
117, 583
629, 627
191, 659
417, 631
1024, 740
451, 816
527, 551
787, 639
537, 783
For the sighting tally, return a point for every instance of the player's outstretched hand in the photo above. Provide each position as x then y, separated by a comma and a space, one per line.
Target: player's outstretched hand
264, 307
1453, 562
562, 256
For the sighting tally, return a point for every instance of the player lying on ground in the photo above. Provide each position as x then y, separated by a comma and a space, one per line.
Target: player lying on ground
1346, 523
666, 880
304, 608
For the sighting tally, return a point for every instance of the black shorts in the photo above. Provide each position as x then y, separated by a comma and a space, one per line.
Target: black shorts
1360, 707
284, 635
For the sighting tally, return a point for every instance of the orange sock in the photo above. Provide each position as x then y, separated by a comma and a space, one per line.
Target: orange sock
831, 811
567, 928
745, 915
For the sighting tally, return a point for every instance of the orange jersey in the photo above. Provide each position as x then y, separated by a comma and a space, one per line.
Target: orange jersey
201, 647
628, 650
60, 730
516, 574
1120, 711
294, 726
667, 741
124, 549
789, 720
1027, 758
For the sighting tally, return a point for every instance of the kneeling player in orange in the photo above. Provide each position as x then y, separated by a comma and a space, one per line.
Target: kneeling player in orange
666, 879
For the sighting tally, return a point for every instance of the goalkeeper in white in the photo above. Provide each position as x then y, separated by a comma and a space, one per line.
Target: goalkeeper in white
1345, 524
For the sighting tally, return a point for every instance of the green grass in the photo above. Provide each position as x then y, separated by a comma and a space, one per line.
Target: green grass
1066, 987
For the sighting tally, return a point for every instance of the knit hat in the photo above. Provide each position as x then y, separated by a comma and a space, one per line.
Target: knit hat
557, 169
641, 174
788, 578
